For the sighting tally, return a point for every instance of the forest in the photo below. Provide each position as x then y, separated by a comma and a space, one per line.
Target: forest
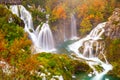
60, 40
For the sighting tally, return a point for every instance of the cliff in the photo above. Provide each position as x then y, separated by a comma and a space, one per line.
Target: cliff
112, 28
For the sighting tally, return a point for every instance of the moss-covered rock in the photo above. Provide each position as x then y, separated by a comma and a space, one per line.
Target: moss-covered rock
35, 67
61, 64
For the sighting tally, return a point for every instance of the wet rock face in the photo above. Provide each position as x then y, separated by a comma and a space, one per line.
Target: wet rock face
112, 28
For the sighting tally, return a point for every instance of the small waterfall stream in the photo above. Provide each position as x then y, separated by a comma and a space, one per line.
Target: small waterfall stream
73, 27
88, 55
42, 37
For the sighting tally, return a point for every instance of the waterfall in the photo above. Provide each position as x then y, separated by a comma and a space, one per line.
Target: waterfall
42, 37
14, 10
65, 35
73, 27
90, 48
45, 38
24, 15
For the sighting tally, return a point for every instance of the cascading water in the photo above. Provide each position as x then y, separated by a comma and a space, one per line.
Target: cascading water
89, 53
45, 38
26, 17
42, 37
14, 10
73, 27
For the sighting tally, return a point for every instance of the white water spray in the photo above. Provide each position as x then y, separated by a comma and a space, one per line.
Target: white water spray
89, 55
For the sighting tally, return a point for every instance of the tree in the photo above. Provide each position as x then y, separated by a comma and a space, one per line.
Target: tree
59, 12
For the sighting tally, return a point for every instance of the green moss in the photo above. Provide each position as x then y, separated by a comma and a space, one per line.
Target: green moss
57, 64
113, 55
11, 30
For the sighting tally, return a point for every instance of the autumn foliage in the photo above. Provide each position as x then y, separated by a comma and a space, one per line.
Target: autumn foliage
59, 12
92, 9
20, 45
2, 42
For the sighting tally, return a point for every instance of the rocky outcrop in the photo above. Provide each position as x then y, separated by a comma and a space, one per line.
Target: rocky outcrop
112, 28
